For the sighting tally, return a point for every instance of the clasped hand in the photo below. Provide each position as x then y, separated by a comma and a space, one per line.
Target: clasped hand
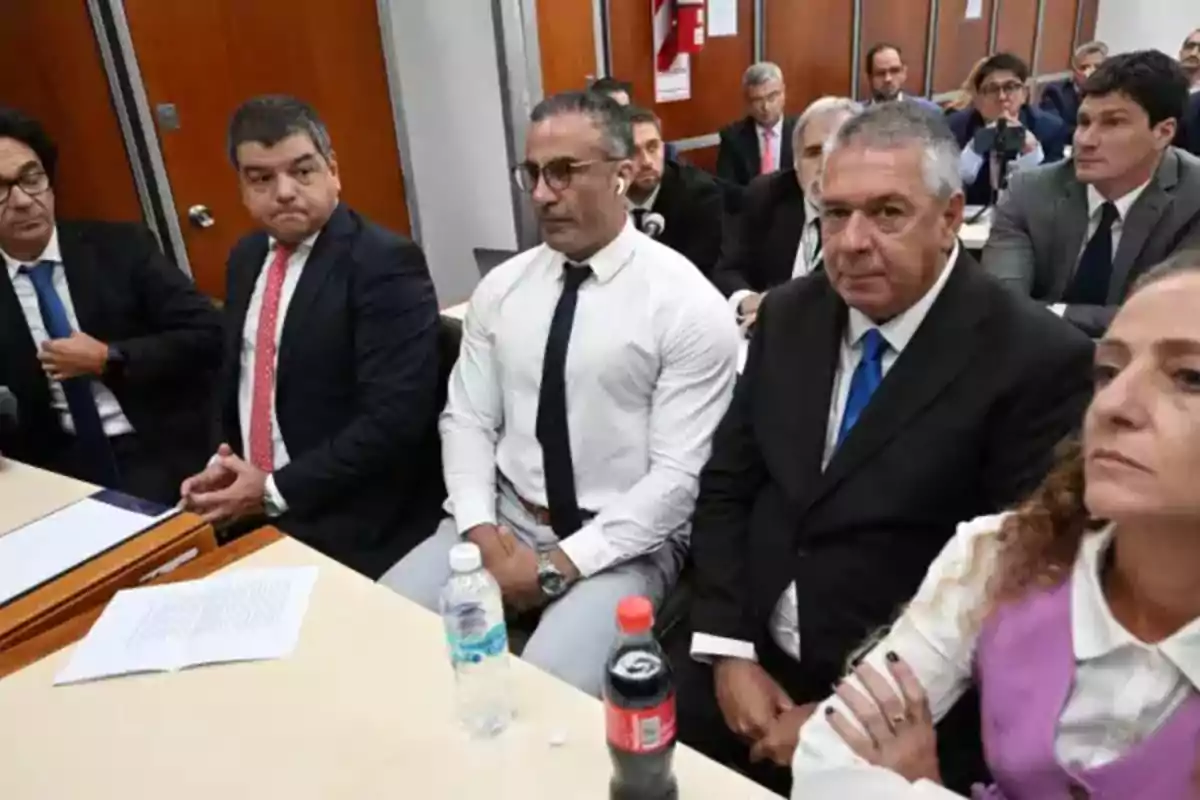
227, 490
758, 710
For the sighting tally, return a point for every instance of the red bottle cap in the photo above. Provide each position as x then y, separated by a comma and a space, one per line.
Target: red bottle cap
635, 614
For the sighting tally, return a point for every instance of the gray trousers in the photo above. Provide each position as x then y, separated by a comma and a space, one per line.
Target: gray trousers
576, 631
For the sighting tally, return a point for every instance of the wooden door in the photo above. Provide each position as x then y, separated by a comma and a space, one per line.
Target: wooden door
812, 43
50, 69
205, 58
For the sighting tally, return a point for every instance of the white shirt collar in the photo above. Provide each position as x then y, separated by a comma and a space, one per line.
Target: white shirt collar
649, 203
811, 212
899, 330
611, 258
776, 129
1123, 203
50, 253
1094, 630
306, 245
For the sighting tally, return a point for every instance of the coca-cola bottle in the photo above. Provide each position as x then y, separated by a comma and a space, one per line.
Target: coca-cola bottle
639, 702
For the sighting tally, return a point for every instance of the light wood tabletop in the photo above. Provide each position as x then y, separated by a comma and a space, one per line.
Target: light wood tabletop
28, 494
362, 709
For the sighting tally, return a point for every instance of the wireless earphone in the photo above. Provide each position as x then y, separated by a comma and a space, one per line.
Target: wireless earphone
621, 186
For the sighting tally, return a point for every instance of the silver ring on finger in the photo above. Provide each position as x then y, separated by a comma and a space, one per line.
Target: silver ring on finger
898, 720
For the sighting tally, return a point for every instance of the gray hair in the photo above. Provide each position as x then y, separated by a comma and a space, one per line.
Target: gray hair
270, 119
1096, 48
760, 73
607, 114
822, 107
894, 125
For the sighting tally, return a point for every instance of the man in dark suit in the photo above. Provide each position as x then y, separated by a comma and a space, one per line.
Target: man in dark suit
328, 405
1061, 98
687, 199
1188, 136
882, 402
762, 142
1001, 98
108, 347
1076, 235
777, 237
622, 92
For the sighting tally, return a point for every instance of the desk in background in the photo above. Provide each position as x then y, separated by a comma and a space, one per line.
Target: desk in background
363, 708
28, 494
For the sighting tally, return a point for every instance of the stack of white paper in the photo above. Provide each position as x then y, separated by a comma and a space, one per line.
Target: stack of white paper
244, 615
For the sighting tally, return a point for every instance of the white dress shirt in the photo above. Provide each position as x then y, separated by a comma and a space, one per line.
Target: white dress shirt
897, 332
775, 142
970, 162
807, 257
1095, 202
295, 267
1123, 690
111, 416
648, 203
649, 373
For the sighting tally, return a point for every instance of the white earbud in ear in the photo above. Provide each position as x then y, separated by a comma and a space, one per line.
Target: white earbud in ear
621, 186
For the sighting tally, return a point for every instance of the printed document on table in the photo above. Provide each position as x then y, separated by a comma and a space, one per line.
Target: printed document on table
244, 615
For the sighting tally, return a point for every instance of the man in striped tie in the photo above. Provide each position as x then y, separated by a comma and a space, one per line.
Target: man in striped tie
329, 404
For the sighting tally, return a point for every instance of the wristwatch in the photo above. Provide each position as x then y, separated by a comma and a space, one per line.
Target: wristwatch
114, 365
551, 580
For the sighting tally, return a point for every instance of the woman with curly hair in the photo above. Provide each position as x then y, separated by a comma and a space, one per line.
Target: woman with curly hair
1077, 615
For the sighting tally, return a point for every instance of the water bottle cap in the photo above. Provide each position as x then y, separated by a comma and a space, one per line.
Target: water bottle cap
635, 614
465, 557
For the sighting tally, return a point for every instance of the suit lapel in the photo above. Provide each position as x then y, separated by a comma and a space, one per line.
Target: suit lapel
785, 145
245, 275
788, 228
83, 280
1070, 220
750, 143
941, 349
18, 348
806, 393
1145, 214
324, 256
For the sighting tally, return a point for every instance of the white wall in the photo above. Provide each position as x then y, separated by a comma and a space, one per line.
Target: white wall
1145, 24
443, 53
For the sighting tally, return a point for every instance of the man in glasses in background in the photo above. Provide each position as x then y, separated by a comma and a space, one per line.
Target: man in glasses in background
102, 340
594, 369
1002, 131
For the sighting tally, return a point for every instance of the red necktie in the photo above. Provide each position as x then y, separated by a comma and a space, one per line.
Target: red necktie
768, 153
262, 447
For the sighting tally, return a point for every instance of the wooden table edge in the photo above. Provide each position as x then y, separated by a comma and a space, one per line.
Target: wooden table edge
33, 650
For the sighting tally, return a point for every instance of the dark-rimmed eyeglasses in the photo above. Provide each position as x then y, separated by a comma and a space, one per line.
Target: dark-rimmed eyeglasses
31, 183
557, 173
997, 89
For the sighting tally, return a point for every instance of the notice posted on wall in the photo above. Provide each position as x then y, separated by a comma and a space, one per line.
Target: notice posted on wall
674, 83
974, 9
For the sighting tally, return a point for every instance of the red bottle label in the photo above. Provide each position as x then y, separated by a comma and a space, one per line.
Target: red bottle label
641, 730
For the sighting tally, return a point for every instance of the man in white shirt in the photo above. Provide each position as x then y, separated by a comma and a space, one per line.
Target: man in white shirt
877, 404
575, 470
329, 402
777, 236
1076, 235
761, 143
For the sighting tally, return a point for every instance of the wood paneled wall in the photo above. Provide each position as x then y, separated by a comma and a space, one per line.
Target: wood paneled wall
50, 68
811, 40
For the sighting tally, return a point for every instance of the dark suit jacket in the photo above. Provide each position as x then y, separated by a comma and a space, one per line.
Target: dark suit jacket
1061, 98
759, 251
125, 293
738, 157
1039, 229
356, 389
1188, 135
963, 425
692, 205
1048, 129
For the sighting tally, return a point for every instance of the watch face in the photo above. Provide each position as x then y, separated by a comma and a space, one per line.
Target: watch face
552, 582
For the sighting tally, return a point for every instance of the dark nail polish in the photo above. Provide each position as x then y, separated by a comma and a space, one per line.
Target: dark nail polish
829, 711
892, 657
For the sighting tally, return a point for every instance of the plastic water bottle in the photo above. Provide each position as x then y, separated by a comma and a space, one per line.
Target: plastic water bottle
473, 613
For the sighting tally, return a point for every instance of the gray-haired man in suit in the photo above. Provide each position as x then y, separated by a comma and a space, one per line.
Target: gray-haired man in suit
1076, 234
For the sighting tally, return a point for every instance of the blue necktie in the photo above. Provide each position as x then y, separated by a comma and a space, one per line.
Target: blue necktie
867, 377
101, 464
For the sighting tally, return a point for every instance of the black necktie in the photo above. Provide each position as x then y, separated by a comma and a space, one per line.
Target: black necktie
1090, 285
639, 218
553, 433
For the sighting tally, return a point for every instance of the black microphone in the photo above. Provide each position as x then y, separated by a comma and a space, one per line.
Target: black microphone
9, 416
653, 225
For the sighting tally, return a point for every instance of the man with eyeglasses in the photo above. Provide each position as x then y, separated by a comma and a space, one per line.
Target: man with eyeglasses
106, 345
329, 399
1002, 112
593, 371
761, 143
